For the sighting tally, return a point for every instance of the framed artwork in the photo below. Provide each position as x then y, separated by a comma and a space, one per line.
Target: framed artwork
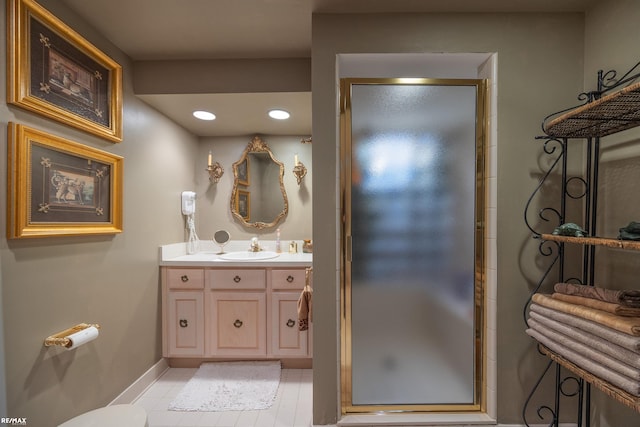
243, 171
58, 187
55, 72
243, 203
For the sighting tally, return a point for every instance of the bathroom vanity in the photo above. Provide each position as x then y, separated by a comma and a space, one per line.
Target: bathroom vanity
216, 308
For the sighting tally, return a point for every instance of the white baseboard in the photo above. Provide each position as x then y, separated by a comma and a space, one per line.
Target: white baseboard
466, 425
538, 425
139, 386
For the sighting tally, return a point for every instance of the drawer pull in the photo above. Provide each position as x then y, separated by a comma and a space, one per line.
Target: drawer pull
291, 323
237, 279
237, 323
289, 278
184, 323
184, 278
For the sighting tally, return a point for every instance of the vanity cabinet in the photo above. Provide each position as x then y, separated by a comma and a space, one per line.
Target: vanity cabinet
229, 312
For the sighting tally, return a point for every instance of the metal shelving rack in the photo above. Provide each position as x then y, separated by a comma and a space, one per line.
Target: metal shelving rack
613, 107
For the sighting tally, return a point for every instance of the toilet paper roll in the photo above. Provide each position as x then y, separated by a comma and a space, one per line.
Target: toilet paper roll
82, 337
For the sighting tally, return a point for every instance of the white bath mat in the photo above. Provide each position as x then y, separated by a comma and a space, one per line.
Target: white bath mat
230, 386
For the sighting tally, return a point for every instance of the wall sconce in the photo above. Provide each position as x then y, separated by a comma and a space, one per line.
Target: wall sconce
299, 170
215, 169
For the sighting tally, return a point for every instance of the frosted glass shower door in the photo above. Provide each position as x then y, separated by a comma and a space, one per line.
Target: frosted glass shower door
413, 202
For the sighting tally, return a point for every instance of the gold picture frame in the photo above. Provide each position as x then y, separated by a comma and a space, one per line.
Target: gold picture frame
55, 72
243, 171
243, 204
58, 187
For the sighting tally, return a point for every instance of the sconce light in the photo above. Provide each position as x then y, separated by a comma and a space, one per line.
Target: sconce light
299, 170
215, 169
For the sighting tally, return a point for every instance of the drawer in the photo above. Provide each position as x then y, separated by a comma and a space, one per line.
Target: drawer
287, 279
185, 278
237, 279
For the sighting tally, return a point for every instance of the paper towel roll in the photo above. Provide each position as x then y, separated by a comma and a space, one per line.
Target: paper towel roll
82, 337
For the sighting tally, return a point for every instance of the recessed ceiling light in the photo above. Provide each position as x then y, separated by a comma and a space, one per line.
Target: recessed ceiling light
204, 115
279, 114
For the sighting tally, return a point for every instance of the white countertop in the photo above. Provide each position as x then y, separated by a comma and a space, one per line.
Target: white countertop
175, 255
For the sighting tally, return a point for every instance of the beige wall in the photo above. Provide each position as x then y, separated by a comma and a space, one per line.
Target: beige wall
50, 284
222, 76
540, 64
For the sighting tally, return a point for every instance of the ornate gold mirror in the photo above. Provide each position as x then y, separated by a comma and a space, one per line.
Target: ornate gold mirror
258, 198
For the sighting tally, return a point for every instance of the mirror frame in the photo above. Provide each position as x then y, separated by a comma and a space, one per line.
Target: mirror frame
257, 145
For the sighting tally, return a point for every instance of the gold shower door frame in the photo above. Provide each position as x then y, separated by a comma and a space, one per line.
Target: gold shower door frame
479, 404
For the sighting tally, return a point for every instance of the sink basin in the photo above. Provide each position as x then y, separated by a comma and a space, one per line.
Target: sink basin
249, 256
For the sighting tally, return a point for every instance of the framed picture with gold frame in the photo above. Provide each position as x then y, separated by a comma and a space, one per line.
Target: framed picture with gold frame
243, 204
58, 187
55, 72
243, 171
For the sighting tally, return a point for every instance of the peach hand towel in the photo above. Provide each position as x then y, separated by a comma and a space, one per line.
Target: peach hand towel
305, 309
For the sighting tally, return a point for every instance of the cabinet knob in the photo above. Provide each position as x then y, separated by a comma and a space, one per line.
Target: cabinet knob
237, 279
184, 323
184, 278
291, 323
289, 278
237, 323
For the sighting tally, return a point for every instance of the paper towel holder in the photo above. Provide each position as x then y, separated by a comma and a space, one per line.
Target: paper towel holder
62, 338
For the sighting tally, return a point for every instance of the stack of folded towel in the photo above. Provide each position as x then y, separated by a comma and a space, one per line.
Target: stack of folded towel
596, 329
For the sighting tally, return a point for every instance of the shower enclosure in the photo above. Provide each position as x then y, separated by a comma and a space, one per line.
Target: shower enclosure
412, 286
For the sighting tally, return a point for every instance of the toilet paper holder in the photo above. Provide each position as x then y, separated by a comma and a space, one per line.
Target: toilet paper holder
62, 338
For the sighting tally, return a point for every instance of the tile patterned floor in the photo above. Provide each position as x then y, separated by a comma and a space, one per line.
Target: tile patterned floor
292, 408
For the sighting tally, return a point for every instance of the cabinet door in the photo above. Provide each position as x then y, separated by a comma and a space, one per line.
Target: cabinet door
287, 339
238, 324
185, 324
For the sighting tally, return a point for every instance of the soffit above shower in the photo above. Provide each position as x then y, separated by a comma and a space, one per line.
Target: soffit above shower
238, 114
